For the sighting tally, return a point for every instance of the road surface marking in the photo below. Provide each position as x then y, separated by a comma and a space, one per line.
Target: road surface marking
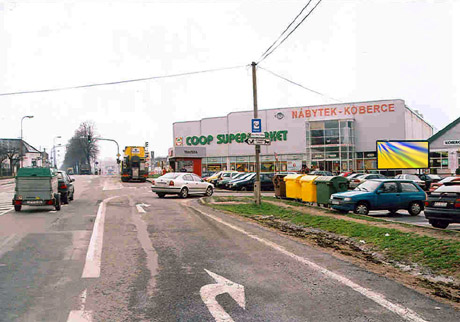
209, 292
139, 207
92, 267
378, 298
6, 211
81, 315
110, 185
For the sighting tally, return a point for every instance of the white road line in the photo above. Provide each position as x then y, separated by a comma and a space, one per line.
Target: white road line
378, 298
92, 267
140, 209
81, 315
4, 212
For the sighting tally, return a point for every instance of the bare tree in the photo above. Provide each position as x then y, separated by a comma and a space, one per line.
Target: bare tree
82, 147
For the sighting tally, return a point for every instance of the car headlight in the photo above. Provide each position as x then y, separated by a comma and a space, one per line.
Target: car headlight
346, 199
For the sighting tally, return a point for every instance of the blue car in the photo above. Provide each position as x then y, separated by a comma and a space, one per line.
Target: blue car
381, 194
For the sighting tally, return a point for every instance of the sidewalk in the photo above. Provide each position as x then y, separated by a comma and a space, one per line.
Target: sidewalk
5, 181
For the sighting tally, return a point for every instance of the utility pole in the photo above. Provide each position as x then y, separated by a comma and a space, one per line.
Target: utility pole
257, 147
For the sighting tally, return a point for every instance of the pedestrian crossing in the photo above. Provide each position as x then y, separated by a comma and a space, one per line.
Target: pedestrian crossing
5, 202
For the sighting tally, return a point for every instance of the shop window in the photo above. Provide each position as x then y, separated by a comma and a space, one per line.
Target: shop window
317, 133
316, 126
331, 124
267, 167
331, 140
317, 141
332, 132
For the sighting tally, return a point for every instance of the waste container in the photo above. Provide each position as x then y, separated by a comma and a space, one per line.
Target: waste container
308, 188
280, 185
327, 185
293, 188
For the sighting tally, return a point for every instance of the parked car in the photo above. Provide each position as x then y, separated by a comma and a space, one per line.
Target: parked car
438, 184
182, 184
355, 175
345, 174
321, 173
36, 187
247, 184
219, 175
230, 183
412, 177
443, 205
224, 176
206, 175
223, 183
65, 187
378, 194
353, 183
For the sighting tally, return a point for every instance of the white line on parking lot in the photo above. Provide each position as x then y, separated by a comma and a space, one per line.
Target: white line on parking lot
4, 212
92, 267
81, 315
380, 299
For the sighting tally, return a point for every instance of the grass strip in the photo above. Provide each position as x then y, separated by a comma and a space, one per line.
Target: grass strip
440, 255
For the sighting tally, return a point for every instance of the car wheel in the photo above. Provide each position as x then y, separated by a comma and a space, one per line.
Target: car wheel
244, 188
71, 196
438, 223
65, 198
415, 208
161, 194
57, 206
362, 209
17, 207
183, 193
209, 192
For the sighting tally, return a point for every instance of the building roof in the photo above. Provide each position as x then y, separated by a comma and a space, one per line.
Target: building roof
15, 143
444, 130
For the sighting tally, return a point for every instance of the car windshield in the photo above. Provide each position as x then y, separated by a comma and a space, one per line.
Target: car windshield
170, 176
60, 176
368, 185
239, 175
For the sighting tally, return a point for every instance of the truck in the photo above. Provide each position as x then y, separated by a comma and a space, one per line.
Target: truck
133, 167
85, 169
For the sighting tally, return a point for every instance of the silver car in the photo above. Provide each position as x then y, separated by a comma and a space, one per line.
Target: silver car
182, 184
356, 181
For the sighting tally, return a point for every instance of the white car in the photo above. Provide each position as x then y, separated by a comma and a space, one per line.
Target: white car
182, 184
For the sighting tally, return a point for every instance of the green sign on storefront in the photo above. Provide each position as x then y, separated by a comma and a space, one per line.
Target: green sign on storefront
233, 137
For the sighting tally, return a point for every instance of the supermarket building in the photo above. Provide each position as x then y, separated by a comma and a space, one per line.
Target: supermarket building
338, 137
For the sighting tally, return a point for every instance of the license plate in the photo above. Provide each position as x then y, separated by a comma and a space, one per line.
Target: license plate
335, 202
440, 204
35, 202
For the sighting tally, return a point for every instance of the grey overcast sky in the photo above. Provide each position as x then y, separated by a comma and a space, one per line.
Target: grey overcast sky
351, 50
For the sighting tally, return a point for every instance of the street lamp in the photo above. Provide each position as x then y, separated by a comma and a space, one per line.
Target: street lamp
54, 149
22, 119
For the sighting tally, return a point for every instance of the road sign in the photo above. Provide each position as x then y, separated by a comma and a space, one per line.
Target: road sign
256, 125
257, 135
257, 141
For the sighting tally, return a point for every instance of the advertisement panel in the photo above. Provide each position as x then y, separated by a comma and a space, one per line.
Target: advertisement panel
404, 154
294, 165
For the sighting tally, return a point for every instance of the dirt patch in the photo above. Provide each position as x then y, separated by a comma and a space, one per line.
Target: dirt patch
404, 228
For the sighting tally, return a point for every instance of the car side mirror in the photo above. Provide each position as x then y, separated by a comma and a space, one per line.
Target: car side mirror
379, 191
72, 179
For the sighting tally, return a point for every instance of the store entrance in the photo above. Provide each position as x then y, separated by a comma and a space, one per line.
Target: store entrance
327, 165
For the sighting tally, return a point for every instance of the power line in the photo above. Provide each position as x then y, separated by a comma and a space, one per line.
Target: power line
295, 28
119, 82
301, 11
300, 85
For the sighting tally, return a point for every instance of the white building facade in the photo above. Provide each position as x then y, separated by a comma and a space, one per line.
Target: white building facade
338, 137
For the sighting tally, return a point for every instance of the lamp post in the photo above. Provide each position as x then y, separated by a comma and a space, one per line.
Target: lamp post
21, 143
54, 149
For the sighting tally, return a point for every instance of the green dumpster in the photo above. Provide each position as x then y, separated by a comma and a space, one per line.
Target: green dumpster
327, 185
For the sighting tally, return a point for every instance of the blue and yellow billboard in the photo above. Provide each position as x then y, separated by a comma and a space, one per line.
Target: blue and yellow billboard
405, 154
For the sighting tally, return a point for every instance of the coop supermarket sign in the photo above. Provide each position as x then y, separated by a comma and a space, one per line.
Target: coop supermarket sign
230, 138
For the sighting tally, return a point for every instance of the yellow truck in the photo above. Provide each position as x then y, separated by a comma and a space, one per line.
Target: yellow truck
133, 167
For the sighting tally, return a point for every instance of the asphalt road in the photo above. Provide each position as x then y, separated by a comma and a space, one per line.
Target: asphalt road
119, 253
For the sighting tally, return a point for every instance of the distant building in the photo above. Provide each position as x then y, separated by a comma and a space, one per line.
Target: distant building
445, 149
10, 152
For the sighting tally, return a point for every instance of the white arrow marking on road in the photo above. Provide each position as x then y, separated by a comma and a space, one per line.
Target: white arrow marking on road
139, 207
209, 292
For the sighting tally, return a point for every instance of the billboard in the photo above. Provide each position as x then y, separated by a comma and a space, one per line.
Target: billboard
403, 154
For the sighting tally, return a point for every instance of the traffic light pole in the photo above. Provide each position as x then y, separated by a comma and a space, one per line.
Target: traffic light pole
111, 140
257, 147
